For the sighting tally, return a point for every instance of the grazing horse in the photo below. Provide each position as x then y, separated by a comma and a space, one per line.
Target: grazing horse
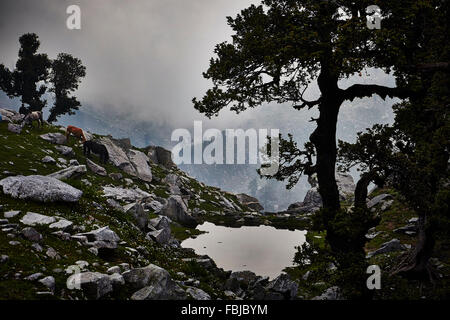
97, 148
32, 116
77, 132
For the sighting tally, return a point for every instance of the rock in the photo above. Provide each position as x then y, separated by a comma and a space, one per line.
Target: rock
386, 204
52, 253
155, 284
118, 156
49, 282
124, 266
102, 239
37, 247
162, 236
11, 214
14, 128
55, 138
70, 172
140, 163
154, 205
96, 168
73, 163
376, 200
40, 188
115, 176
14, 243
393, 245
95, 285
161, 156
346, 185
250, 202
140, 217
48, 159
333, 293
177, 211
112, 270
82, 264
283, 285
4, 258
121, 194
115, 205
198, 294
116, 280
62, 224
313, 198
31, 234
65, 151
33, 277
33, 219
244, 278
161, 222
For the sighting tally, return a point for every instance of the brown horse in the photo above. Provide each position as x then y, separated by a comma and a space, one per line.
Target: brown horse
32, 116
77, 132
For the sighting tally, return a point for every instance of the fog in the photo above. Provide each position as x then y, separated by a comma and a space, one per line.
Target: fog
144, 57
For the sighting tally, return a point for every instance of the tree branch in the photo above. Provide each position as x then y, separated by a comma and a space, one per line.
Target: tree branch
367, 90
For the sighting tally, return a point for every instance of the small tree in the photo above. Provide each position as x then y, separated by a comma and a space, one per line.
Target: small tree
28, 79
65, 76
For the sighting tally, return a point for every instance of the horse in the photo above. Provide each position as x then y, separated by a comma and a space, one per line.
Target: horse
77, 132
97, 148
32, 116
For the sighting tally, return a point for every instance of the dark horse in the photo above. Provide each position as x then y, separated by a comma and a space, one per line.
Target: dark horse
96, 148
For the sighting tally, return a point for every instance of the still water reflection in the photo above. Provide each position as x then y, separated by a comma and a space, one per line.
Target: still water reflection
263, 249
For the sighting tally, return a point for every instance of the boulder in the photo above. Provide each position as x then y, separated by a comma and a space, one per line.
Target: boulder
161, 156
249, 201
65, 151
118, 156
140, 163
346, 185
103, 239
377, 200
177, 211
11, 214
71, 172
14, 128
115, 176
161, 222
33, 219
54, 137
49, 282
162, 236
283, 285
48, 159
62, 224
197, 294
333, 293
122, 194
154, 283
393, 245
140, 217
31, 234
39, 188
95, 285
96, 168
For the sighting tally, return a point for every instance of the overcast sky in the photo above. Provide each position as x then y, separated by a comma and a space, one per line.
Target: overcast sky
145, 56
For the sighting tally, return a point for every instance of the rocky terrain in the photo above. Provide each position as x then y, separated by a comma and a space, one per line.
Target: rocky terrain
74, 228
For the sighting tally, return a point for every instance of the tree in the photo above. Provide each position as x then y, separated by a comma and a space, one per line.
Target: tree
413, 154
28, 79
65, 76
281, 47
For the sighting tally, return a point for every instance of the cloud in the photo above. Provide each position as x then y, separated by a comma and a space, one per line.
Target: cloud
143, 57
